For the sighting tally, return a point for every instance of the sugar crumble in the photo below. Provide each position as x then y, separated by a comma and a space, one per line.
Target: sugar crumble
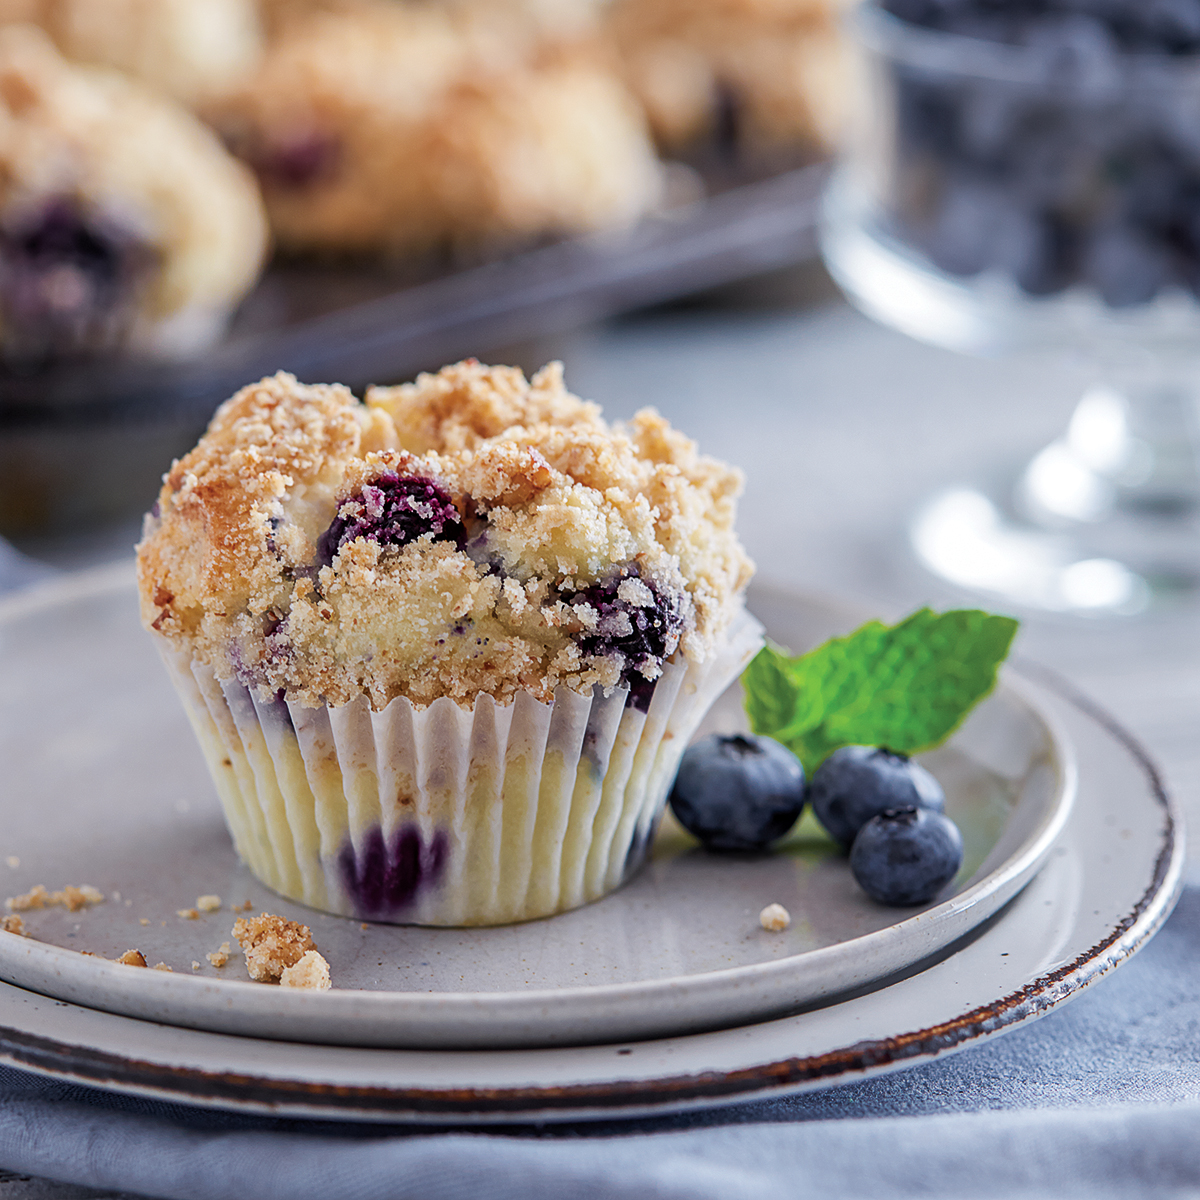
775, 918
219, 957
70, 897
312, 971
271, 945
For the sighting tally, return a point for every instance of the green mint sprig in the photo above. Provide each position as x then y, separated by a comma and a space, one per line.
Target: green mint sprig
905, 686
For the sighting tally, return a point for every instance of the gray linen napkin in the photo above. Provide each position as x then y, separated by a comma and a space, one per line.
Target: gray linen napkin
1099, 1099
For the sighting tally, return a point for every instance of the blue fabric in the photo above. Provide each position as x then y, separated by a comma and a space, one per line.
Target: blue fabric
1099, 1099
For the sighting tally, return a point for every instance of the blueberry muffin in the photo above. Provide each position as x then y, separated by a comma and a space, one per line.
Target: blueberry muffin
742, 77
407, 129
444, 648
123, 222
189, 49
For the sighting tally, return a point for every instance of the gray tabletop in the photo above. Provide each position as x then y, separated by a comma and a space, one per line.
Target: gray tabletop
841, 427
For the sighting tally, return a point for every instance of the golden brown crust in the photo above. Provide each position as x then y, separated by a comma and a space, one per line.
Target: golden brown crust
536, 518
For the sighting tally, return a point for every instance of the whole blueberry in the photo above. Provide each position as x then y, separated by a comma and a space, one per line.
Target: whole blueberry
738, 793
906, 855
856, 783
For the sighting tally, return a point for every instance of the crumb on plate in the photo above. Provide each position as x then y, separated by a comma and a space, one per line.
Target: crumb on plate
143, 920
71, 897
271, 945
312, 971
134, 958
13, 924
160, 966
209, 903
219, 957
13, 861
775, 918
188, 914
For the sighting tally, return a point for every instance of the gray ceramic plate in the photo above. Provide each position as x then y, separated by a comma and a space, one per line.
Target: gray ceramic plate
109, 790
1108, 884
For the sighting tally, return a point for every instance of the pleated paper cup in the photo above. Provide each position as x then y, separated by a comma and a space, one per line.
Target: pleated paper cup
445, 815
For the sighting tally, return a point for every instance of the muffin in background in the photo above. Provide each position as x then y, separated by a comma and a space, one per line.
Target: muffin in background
517, 20
189, 49
402, 129
443, 649
744, 78
123, 221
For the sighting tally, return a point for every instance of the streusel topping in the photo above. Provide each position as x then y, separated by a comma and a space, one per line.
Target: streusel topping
473, 532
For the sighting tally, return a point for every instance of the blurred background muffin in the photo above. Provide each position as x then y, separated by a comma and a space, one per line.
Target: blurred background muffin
189, 49
744, 78
123, 222
401, 128
383, 145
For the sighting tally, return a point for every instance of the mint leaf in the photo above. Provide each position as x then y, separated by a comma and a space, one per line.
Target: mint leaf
906, 686
770, 693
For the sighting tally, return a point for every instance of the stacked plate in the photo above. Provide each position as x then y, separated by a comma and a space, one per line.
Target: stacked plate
665, 995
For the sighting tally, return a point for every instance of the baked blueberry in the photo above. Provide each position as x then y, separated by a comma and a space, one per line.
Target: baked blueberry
392, 511
906, 855
297, 160
66, 278
857, 783
637, 620
738, 793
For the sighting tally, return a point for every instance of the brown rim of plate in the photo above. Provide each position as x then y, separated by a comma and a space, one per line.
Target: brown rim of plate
619, 1098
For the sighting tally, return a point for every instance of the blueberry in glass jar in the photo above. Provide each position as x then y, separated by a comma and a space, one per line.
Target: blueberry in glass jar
906, 856
1052, 143
738, 792
857, 783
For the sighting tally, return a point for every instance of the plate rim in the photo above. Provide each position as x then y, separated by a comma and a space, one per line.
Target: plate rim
90, 1065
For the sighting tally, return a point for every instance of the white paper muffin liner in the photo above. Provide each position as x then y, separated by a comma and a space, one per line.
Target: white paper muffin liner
445, 815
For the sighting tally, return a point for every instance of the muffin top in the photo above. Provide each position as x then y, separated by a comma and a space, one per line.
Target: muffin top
471, 533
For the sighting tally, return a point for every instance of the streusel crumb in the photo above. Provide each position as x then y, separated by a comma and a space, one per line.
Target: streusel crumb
75, 898
312, 971
271, 945
219, 957
775, 918
161, 966
13, 924
208, 903
472, 533
36, 897
188, 914
133, 958
70, 897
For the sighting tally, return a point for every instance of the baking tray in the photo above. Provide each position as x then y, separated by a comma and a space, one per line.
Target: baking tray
86, 442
